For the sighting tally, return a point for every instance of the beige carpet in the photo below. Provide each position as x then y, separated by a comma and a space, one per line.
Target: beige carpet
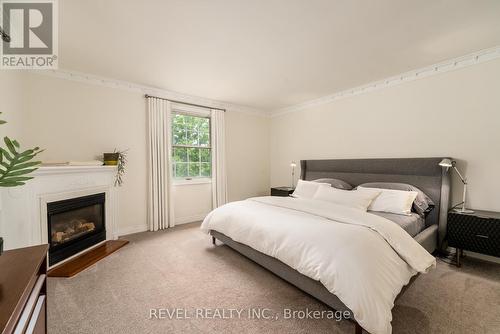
180, 268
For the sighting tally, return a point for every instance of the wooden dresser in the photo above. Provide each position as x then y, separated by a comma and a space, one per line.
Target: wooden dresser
23, 290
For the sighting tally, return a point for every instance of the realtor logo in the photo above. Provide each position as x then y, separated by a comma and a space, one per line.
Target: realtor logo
31, 27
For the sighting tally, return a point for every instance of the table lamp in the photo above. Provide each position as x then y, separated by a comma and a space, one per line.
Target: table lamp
447, 163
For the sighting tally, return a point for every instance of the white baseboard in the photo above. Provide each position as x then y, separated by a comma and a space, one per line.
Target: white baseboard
131, 230
190, 219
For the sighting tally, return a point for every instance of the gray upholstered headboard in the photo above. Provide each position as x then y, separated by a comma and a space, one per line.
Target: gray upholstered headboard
424, 173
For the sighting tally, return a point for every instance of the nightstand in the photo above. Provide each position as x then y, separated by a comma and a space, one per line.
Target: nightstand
282, 191
476, 232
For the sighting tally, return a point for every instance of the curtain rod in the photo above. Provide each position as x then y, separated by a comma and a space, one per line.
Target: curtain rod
187, 103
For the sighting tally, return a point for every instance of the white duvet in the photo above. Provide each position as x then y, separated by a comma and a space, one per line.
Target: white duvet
363, 259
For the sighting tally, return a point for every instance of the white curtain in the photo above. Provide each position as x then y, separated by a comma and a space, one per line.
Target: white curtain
219, 183
160, 210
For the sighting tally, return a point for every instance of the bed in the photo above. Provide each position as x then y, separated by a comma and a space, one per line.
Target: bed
424, 173
412, 224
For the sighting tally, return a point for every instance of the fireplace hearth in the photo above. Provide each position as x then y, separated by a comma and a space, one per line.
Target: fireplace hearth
74, 225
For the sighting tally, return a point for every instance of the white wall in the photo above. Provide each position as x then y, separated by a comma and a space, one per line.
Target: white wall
79, 121
247, 152
453, 114
11, 88
76, 121
192, 202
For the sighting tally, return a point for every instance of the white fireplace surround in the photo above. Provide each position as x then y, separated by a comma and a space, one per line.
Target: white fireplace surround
23, 210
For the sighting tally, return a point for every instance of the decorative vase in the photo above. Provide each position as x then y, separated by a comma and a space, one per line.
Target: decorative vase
1, 245
111, 159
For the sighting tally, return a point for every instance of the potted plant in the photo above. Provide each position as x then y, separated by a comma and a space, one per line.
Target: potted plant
15, 165
119, 159
111, 159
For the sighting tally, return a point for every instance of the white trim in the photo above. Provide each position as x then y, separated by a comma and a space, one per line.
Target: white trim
190, 110
49, 170
131, 230
189, 219
443, 67
163, 93
185, 182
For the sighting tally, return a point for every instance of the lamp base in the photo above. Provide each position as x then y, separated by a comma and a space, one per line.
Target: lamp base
466, 211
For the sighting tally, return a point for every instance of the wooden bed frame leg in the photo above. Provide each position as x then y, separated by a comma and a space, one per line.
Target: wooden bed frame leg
359, 329
213, 241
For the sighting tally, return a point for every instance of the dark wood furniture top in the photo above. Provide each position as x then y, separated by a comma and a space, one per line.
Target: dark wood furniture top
476, 232
480, 214
21, 270
85, 260
282, 191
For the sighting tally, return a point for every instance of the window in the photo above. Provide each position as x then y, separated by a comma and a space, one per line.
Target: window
192, 156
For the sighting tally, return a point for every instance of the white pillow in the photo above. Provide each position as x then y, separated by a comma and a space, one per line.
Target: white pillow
358, 199
307, 189
393, 201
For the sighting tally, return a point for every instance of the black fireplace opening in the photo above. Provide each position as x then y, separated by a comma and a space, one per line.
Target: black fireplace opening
74, 225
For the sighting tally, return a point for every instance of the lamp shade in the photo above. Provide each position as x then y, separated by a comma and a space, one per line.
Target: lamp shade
446, 163
293, 164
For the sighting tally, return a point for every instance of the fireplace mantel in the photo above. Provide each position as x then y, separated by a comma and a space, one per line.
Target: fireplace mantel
23, 209
47, 170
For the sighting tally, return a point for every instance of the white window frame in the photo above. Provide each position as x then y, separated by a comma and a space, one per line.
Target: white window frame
179, 108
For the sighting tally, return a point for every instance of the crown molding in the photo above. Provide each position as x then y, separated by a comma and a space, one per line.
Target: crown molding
142, 89
439, 68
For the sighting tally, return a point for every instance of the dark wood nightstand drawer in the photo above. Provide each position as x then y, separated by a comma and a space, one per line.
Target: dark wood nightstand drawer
475, 233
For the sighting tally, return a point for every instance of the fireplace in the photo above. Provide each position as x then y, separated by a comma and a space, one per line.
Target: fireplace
74, 225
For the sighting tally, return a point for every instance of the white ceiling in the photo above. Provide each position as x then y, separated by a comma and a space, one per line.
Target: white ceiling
268, 54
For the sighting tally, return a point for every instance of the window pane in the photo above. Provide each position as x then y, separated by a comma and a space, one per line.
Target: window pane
191, 122
180, 169
180, 154
204, 138
199, 122
178, 120
193, 154
205, 124
194, 169
192, 138
178, 130
206, 169
205, 155
179, 135
188, 130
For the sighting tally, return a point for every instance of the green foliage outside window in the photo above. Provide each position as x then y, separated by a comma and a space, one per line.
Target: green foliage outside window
192, 154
